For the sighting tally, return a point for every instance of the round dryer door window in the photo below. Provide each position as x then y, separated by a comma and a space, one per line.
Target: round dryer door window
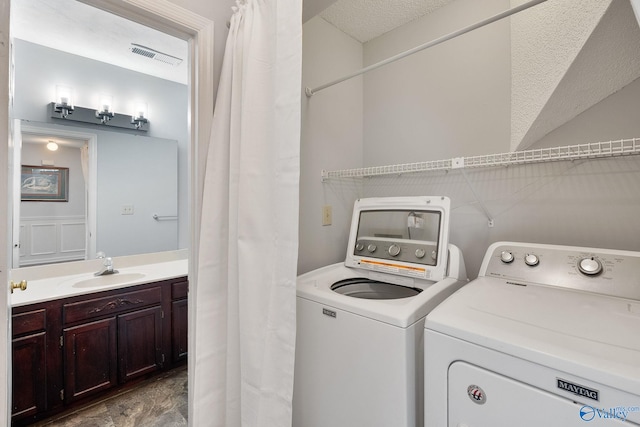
361, 287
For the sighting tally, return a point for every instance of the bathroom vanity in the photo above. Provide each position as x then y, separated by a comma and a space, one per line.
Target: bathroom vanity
95, 336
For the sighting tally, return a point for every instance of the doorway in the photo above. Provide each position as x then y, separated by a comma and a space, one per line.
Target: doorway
164, 16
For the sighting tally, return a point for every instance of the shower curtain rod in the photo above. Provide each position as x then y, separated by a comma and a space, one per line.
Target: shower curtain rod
310, 92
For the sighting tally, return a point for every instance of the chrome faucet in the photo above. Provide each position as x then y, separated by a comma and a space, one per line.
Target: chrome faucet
107, 266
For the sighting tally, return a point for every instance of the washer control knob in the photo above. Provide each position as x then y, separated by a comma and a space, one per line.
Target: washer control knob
394, 250
531, 260
420, 253
359, 246
590, 266
372, 248
506, 257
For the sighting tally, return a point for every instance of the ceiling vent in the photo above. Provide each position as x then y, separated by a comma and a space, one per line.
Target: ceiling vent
154, 54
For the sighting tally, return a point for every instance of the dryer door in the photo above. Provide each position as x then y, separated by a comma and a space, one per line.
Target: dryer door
481, 398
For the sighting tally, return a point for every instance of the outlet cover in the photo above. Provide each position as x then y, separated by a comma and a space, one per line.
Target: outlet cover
127, 210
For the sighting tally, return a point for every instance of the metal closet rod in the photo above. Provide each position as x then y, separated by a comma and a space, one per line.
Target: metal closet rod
310, 92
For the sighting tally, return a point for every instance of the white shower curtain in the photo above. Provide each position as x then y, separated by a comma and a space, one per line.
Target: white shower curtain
245, 295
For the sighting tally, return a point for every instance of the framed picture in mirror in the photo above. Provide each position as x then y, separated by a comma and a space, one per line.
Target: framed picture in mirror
44, 184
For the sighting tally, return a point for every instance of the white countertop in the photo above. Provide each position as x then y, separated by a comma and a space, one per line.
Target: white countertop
40, 289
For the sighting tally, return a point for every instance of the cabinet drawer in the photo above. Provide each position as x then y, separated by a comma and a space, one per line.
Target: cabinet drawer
179, 290
110, 305
32, 321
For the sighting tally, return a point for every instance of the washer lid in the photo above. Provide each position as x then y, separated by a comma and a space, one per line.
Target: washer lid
361, 287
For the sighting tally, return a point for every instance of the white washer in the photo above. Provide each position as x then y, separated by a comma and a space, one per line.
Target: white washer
360, 324
546, 336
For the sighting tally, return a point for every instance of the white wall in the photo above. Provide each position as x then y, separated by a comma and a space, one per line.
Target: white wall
331, 139
138, 172
582, 203
447, 101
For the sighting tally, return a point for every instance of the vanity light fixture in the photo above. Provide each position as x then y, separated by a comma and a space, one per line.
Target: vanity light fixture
64, 100
139, 116
105, 110
104, 115
52, 146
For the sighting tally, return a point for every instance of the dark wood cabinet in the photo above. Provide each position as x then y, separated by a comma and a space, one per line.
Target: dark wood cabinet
29, 373
179, 320
35, 373
125, 344
89, 359
140, 343
68, 351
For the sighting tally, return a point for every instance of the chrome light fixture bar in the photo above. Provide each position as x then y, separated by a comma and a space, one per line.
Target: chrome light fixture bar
63, 109
104, 112
64, 100
103, 117
139, 116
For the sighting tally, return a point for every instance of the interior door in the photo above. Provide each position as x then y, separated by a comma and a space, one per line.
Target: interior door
14, 185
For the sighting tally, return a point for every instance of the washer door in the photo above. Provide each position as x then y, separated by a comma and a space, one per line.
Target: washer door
360, 287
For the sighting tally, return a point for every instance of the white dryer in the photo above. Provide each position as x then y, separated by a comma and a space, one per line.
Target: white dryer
360, 324
545, 336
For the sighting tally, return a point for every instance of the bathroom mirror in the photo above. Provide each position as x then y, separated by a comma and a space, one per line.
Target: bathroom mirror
136, 195
123, 195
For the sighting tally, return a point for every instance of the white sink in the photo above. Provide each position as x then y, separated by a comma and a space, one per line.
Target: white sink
110, 279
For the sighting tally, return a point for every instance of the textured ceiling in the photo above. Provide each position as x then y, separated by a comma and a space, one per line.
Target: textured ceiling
79, 29
367, 19
567, 59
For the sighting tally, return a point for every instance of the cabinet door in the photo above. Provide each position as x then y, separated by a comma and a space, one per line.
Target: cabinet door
29, 368
140, 342
179, 331
90, 358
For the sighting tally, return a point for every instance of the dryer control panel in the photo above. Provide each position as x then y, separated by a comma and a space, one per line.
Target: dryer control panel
602, 271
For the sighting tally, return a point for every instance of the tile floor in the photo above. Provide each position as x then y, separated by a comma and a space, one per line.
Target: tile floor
159, 401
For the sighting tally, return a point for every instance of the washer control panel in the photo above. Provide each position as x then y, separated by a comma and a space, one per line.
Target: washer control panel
402, 236
604, 271
397, 250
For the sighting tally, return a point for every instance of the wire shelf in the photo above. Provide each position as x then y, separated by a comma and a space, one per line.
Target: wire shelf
592, 150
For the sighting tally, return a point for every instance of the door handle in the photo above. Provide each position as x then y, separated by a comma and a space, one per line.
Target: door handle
22, 285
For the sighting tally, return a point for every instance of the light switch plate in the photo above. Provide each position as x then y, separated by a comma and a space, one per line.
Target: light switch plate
326, 215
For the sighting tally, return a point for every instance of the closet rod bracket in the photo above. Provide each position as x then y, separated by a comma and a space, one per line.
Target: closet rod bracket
458, 163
